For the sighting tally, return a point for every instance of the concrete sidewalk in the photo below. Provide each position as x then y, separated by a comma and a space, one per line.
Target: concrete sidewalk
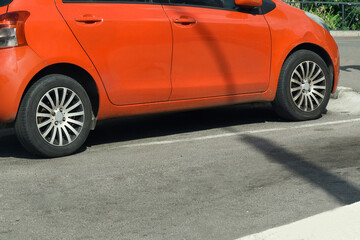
348, 33
338, 224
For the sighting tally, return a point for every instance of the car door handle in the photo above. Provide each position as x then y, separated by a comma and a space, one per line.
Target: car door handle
88, 19
184, 20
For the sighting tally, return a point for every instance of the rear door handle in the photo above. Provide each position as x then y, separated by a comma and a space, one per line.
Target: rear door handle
184, 20
88, 19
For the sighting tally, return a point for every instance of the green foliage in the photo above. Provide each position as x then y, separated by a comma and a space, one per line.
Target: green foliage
332, 14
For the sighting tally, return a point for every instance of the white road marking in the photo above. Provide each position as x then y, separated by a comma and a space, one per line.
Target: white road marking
340, 224
236, 134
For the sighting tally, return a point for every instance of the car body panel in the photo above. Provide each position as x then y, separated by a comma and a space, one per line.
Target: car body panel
51, 41
131, 48
46, 26
219, 54
3, 9
286, 37
14, 79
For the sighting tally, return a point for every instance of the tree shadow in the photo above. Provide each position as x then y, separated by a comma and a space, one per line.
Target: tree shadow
166, 124
11, 147
156, 125
346, 68
343, 191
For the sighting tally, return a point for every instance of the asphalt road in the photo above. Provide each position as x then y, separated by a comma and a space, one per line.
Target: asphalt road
350, 62
211, 174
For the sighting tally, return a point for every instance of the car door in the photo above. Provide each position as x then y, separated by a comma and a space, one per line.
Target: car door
219, 49
130, 44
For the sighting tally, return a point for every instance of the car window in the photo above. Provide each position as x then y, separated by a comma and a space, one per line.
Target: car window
110, 1
205, 3
228, 4
5, 2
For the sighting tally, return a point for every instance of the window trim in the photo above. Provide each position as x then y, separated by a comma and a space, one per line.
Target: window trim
267, 6
109, 1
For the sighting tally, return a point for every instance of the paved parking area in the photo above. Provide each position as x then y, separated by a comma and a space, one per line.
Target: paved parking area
219, 173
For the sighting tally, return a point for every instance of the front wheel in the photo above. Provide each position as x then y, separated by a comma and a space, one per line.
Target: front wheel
54, 117
304, 87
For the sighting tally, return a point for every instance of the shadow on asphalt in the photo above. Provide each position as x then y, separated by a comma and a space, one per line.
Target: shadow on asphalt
346, 68
343, 191
11, 147
156, 125
131, 128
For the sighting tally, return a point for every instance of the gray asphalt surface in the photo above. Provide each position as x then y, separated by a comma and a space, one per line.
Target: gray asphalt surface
210, 174
350, 62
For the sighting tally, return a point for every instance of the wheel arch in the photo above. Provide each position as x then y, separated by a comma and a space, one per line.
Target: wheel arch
319, 51
78, 74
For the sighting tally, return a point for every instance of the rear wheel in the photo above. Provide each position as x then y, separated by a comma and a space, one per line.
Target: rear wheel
54, 118
304, 87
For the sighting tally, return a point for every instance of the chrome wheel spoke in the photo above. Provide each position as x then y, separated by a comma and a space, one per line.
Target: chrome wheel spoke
63, 97
57, 101
317, 74
297, 96
66, 134
308, 86
75, 122
43, 124
55, 122
76, 114
60, 136
319, 80
319, 87
312, 70
73, 106
50, 100
72, 129
315, 99
53, 136
307, 69
69, 100
311, 103
43, 115
295, 89
46, 133
298, 74
319, 94
301, 101
303, 71
43, 105
295, 81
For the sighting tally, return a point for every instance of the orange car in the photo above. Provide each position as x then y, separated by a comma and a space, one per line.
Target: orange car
67, 63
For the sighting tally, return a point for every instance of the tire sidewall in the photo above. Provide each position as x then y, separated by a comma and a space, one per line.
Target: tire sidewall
289, 66
33, 140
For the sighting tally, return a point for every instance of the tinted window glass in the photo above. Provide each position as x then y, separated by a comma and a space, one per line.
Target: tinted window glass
207, 3
110, 1
5, 2
230, 4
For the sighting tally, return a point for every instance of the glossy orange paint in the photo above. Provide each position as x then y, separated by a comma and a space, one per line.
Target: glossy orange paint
13, 79
249, 3
219, 53
45, 25
3, 10
134, 59
215, 57
287, 34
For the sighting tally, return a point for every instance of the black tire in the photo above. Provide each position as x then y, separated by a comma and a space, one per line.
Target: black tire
65, 129
290, 102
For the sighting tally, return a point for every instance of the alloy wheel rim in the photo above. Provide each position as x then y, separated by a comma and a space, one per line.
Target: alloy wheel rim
308, 86
60, 116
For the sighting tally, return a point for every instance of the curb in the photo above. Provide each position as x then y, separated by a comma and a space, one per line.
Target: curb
339, 91
339, 223
348, 33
